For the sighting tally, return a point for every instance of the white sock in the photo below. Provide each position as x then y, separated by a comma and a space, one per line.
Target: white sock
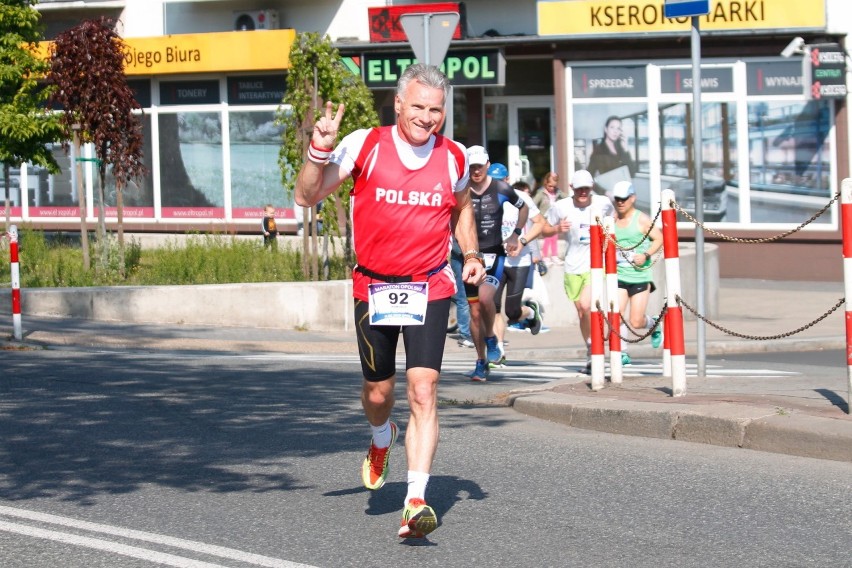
381, 435
417, 481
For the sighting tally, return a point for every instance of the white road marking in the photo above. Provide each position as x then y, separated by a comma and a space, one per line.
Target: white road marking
536, 372
135, 552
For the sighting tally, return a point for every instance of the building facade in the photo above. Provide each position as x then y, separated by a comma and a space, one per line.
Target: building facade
541, 84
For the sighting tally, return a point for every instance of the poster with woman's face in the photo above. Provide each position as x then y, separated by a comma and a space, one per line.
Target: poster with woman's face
610, 141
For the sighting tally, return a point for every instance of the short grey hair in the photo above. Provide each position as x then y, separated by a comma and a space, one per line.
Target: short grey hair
429, 75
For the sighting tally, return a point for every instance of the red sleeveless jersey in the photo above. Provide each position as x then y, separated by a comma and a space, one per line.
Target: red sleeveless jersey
401, 217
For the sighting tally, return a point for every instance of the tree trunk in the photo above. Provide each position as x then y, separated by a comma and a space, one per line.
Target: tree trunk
103, 245
7, 179
119, 200
306, 229
81, 201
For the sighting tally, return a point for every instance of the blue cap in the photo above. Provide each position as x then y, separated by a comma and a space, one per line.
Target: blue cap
498, 171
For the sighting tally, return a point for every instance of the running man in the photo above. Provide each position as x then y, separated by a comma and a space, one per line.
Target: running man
572, 219
410, 192
635, 279
488, 196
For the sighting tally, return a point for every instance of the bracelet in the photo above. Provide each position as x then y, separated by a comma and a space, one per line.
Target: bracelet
474, 255
318, 155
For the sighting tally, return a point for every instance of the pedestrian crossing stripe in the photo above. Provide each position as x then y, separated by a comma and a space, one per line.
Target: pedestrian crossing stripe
540, 371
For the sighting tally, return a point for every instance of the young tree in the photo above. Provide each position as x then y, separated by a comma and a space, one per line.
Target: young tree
87, 70
317, 74
25, 127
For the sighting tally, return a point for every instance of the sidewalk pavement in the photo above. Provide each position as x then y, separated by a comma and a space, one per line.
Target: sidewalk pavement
798, 415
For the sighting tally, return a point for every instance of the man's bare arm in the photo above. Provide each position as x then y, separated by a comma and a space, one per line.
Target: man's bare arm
317, 179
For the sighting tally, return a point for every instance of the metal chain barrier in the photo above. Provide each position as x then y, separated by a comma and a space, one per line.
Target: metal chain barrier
609, 238
722, 236
606, 327
727, 331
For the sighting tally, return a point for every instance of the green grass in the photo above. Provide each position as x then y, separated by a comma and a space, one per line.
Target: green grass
200, 259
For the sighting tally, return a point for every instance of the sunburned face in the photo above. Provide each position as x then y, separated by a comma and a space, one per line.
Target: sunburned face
420, 113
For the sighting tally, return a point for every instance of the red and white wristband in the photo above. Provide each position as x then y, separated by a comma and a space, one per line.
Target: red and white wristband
318, 155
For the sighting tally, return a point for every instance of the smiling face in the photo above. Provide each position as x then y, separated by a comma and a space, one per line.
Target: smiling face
582, 196
419, 112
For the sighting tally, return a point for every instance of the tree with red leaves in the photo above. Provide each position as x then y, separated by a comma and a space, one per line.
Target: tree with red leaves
87, 70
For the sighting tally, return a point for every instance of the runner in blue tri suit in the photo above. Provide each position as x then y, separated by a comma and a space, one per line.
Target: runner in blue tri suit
488, 196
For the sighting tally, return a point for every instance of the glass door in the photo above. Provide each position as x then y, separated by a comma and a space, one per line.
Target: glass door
520, 133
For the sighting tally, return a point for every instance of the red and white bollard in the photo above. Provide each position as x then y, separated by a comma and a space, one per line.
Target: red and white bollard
597, 289
846, 228
16, 283
613, 307
674, 313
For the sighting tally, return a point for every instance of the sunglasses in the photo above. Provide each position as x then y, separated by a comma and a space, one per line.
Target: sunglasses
620, 199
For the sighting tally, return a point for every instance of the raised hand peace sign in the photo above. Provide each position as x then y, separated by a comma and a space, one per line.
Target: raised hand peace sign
326, 128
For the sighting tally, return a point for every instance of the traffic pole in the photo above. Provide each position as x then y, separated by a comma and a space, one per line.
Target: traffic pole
610, 265
16, 284
846, 227
674, 313
597, 292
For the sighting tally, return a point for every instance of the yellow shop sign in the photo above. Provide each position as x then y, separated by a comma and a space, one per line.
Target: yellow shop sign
598, 17
266, 50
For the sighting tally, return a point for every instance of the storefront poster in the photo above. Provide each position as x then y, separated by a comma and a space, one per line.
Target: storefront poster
609, 141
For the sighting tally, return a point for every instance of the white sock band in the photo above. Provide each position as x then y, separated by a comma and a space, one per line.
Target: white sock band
417, 481
381, 435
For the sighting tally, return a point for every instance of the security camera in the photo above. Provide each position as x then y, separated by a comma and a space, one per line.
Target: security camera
795, 47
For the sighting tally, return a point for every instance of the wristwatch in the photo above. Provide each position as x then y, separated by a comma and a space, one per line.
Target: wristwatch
523, 241
517, 231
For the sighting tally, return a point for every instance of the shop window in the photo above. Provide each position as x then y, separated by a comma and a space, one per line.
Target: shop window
790, 159
255, 141
191, 157
51, 195
719, 154
138, 194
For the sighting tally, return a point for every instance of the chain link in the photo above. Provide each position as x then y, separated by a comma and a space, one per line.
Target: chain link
606, 327
608, 238
722, 236
683, 303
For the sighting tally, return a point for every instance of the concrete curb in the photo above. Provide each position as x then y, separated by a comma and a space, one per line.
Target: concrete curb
719, 424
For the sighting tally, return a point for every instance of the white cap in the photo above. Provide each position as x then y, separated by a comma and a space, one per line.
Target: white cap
623, 190
582, 178
477, 156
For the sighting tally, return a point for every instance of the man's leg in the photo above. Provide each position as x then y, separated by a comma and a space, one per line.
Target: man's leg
487, 313
377, 351
424, 353
584, 311
421, 435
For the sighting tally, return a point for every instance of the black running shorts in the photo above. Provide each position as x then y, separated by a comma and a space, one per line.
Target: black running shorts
424, 344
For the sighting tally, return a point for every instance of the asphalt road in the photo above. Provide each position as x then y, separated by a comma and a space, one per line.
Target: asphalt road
111, 459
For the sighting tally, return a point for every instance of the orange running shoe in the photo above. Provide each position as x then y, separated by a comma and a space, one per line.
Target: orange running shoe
418, 519
374, 470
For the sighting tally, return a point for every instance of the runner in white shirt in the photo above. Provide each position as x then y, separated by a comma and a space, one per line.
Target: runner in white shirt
572, 219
